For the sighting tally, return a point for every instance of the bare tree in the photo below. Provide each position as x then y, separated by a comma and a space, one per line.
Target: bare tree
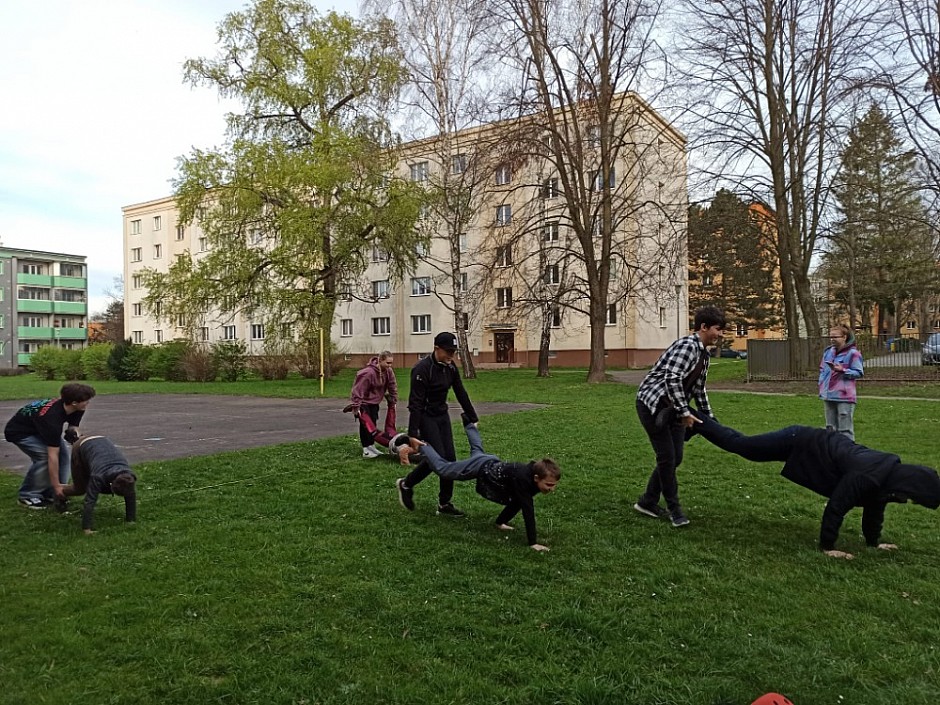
774, 80
620, 169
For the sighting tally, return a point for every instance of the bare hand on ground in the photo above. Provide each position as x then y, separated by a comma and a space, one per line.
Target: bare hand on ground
888, 546
505, 527
839, 554
539, 547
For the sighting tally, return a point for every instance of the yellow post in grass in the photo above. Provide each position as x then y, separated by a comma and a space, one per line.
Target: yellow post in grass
321, 361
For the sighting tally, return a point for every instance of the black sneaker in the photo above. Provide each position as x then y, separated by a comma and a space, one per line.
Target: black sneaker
33, 502
656, 511
406, 495
678, 518
449, 510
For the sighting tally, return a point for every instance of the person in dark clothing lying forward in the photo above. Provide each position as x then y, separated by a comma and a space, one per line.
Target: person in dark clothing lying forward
832, 465
99, 467
510, 484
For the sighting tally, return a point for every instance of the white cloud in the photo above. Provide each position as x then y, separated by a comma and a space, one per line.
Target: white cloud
96, 114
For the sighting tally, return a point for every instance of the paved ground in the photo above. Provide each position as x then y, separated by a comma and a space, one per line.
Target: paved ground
162, 427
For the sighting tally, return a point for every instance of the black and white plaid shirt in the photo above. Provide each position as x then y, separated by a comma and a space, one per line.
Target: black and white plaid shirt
665, 379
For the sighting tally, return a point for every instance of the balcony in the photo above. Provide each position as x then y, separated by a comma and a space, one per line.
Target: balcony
75, 308
71, 334
33, 279
22, 359
70, 282
42, 332
35, 306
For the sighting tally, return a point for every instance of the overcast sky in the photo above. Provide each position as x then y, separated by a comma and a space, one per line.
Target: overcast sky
95, 114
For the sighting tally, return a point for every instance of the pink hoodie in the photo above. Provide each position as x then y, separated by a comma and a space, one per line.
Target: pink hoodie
371, 385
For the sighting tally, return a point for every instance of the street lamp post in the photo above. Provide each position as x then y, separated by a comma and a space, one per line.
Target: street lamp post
678, 310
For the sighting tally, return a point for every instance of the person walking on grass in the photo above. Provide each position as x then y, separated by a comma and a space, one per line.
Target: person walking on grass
832, 465
841, 365
431, 379
374, 382
99, 467
37, 430
511, 484
662, 403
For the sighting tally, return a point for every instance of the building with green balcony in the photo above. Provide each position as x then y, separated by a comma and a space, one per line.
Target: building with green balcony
43, 301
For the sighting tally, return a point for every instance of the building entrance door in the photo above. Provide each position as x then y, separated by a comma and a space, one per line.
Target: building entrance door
505, 347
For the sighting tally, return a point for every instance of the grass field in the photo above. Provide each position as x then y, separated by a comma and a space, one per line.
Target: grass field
291, 575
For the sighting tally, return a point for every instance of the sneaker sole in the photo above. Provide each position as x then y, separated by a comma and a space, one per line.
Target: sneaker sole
680, 524
646, 512
401, 499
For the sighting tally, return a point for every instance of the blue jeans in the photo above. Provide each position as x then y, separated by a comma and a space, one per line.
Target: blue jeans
459, 470
840, 416
36, 484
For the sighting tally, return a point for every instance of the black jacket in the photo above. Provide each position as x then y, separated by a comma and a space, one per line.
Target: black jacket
851, 475
511, 484
430, 382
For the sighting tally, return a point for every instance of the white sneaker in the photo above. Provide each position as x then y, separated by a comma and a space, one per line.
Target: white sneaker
370, 452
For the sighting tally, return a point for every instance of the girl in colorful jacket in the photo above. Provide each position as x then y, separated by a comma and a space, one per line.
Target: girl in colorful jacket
841, 365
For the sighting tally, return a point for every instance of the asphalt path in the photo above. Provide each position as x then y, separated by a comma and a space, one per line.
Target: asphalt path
167, 426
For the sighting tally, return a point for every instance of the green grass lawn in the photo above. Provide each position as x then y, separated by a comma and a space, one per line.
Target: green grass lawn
291, 575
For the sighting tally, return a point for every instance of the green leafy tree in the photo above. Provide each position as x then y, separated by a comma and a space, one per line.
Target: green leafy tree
882, 251
733, 261
95, 361
46, 361
230, 358
303, 191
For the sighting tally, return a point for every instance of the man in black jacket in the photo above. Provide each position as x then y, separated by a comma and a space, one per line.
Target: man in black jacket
832, 465
510, 484
99, 467
431, 379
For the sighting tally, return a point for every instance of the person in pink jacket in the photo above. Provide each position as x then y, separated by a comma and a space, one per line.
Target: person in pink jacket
373, 382
841, 365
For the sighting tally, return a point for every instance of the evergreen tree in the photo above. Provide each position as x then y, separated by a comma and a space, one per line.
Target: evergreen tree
881, 252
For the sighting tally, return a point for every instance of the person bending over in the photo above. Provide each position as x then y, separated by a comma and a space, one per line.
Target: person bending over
830, 464
99, 467
511, 484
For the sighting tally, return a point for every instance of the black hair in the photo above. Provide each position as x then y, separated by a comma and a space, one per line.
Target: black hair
73, 392
709, 316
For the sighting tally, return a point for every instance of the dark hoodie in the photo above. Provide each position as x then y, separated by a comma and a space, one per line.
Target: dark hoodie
513, 485
851, 475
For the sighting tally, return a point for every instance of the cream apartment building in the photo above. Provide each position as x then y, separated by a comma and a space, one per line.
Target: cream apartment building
518, 214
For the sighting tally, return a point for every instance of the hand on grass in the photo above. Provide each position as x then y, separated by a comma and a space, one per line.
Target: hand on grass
839, 554
505, 527
539, 547
89, 532
888, 546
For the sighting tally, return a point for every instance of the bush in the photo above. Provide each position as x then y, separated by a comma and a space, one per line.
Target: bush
166, 360
95, 361
46, 361
270, 366
229, 356
70, 364
198, 364
128, 362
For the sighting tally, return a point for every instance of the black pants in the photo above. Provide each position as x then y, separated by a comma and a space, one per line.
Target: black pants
776, 445
668, 444
366, 437
437, 433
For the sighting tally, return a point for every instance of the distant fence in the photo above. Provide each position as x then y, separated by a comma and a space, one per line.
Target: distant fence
886, 358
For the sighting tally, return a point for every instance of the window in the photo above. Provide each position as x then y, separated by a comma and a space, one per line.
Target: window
71, 270
204, 334
136, 281
378, 254
136, 254
662, 317
593, 135
421, 324
556, 316
180, 232
463, 242
181, 321
421, 250
135, 227
611, 315
465, 320
550, 232
346, 327
463, 283
424, 212
1, 322
504, 214
420, 286
158, 335
504, 297
31, 269
33, 293
936, 324
504, 256
503, 174
381, 326
344, 291
419, 171
138, 336
380, 289
228, 332
598, 179
741, 330
31, 322
137, 309
707, 280
158, 309
203, 243
256, 238
157, 251
550, 188
257, 331
459, 163
157, 222
552, 275
911, 325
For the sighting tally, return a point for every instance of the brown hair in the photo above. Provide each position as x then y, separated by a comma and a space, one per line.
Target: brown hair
73, 392
546, 467
123, 485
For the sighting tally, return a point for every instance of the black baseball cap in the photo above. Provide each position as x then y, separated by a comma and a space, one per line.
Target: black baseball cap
446, 341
